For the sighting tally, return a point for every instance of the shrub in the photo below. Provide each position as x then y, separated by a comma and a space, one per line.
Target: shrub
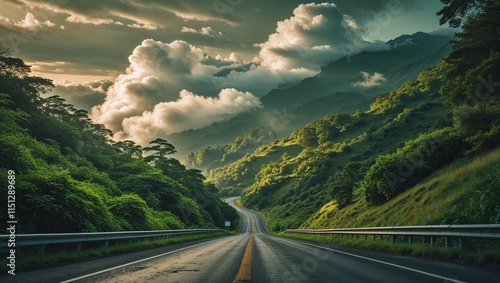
396, 172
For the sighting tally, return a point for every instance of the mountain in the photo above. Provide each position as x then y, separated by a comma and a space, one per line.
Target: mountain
404, 59
359, 137
337, 88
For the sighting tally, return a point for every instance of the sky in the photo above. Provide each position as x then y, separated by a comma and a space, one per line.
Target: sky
150, 68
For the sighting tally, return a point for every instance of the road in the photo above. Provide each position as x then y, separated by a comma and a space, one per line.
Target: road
254, 255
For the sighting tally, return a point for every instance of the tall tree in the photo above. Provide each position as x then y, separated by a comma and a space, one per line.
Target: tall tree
473, 69
160, 148
24, 90
474, 60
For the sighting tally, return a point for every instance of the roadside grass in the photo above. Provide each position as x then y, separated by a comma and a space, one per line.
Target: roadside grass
27, 258
446, 197
489, 254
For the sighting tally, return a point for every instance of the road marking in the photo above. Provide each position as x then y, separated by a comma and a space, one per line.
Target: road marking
246, 268
387, 263
134, 262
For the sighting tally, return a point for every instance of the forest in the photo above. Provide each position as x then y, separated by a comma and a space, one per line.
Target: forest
70, 176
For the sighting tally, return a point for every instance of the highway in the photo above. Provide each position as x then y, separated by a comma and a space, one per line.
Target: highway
254, 255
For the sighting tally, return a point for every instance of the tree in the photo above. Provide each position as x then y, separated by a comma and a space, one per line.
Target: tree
475, 55
472, 69
161, 148
458, 12
307, 137
342, 185
130, 148
24, 90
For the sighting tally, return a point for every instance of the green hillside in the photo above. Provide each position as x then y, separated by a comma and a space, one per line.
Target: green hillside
462, 193
68, 176
293, 186
425, 153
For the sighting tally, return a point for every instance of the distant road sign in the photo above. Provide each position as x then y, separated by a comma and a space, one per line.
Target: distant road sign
227, 224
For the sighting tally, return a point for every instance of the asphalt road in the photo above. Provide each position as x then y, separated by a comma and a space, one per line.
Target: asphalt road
254, 255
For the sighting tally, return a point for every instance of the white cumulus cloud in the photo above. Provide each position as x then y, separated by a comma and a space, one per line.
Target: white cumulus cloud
369, 81
159, 71
190, 111
315, 35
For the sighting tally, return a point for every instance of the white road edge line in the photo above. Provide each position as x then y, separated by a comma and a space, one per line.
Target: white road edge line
387, 263
134, 262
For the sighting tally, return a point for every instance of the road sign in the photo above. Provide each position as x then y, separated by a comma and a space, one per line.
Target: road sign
227, 224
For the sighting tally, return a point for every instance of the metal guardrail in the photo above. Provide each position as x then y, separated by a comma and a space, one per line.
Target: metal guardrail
41, 240
460, 232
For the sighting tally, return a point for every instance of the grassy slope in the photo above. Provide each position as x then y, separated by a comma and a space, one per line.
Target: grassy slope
292, 205
437, 199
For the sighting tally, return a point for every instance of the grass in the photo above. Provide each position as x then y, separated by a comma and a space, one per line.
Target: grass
429, 202
486, 256
27, 259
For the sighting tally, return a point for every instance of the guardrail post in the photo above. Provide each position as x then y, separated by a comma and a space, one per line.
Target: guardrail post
41, 250
392, 239
78, 247
432, 241
462, 243
446, 242
409, 240
106, 244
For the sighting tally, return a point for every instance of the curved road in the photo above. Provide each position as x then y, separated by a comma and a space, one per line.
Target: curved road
254, 255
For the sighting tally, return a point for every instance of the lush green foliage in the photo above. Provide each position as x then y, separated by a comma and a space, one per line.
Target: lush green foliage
396, 172
213, 157
342, 185
473, 69
71, 177
464, 192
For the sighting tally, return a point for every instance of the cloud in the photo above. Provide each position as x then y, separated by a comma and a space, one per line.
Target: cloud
159, 72
172, 87
315, 35
29, 22
154, 14
406, 42
82, 95
190, 111
369, 81
206, 31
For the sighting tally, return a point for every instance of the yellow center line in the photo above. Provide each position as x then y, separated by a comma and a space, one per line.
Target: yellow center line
245, 273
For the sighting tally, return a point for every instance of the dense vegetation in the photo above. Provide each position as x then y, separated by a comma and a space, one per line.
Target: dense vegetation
71, 177
364, 162
213, 157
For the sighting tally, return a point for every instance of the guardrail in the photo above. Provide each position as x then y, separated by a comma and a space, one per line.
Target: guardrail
447, 232
41, 240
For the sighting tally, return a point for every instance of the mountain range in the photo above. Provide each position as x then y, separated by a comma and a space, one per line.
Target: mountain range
346, 85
